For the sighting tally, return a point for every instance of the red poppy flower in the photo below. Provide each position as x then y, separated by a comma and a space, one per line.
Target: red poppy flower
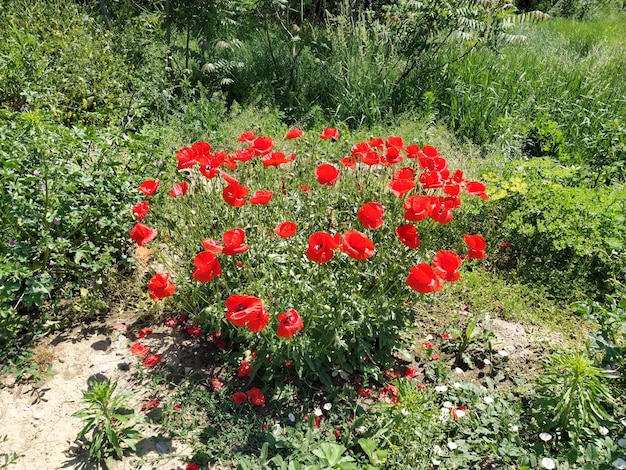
452, 189
192, 466
187, 158
275, 159
240, 307
422, 279
142, 234
394, 141
256, 397
455, 412
411, 373
477, 245
412, 151
141, 209
370, 158
330, 133
244, 155
364, 392
359, 149
258, 321
262, 145
400, 187
407, 234
305, 188
139, 349
152, 360
326, 174
446, 264
286, 229
212, 246
144, 332
245, 369
431, 180
179, 189
392, 156
321, 247
171, 322
262, 196
247, 136
349, 162
371, 215
404, 173
207, 267
161, 286
417, 208
356, 245
244, 310
216, 383
149, 187
239, 398
294, 133
376, 142
234, 242
441, 209
289, 324
151, 404
476, 188
234, 194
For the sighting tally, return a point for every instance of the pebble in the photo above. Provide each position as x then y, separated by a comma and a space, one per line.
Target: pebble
39, 414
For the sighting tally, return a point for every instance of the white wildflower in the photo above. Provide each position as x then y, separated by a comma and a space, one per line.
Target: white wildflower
548, 463
545, 437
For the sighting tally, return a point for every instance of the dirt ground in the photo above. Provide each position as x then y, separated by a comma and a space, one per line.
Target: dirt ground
37, 418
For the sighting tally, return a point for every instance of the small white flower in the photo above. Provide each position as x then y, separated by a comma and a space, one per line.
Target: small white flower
291, 417
360, 430
488, 400
503, 353
317, 412
438, 450
459, 413
458, 370
548, 463
545, 437
429, 337
436, 462
514, 428
404, 412
604, 431
487, 362
441, 388
452, 445
276, 429
327, 406
447, 404
457, 385
621, 442
620, 464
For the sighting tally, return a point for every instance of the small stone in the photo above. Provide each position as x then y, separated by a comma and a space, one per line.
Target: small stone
39, 414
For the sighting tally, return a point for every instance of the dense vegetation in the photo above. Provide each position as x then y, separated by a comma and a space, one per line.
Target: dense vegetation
94, 101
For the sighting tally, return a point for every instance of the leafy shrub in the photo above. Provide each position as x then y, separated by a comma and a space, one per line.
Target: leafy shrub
56, 57
64, 209
353, 307
565, 237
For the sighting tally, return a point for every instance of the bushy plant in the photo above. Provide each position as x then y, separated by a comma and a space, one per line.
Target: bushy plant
288, 231
108, 427
64, 208
549, 225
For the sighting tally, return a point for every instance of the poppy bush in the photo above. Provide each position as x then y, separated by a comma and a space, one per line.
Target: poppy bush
315, 261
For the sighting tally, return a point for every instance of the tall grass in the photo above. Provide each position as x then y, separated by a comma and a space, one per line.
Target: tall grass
562, 95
